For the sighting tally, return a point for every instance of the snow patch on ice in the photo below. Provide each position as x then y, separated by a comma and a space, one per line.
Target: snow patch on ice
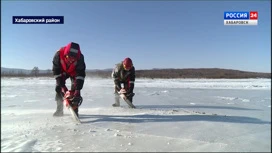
8, 96
158, 92
244, 100
117, 134
233, 98
227, 98
18, 144
30, 101
12, 105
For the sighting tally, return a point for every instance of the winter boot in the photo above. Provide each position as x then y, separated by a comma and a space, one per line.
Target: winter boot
59, 111
117, 101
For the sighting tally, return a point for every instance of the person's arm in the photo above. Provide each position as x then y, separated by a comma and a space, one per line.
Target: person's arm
79, 80
56, 68
80, 73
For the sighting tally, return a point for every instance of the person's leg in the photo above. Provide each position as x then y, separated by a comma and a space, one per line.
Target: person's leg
129, 95
76, 110
59, 100
117, 98
73, 88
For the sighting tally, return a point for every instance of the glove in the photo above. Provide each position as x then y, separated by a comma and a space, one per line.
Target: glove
122, 91
77, 100
59, 85
60, 90
64, 90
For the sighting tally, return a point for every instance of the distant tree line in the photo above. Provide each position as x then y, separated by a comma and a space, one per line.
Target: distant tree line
214, 73
35, 72
188, 73
200, 73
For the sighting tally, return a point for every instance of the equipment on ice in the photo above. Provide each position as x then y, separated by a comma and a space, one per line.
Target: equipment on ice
68, 102
121, 94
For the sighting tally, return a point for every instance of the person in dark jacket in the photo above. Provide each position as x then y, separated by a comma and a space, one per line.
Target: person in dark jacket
68, 62
123, 73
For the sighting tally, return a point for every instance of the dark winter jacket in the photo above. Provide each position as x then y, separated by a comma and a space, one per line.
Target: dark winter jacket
77, 74
120, 75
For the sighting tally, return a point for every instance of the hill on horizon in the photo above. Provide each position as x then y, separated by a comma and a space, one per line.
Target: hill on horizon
153, 73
